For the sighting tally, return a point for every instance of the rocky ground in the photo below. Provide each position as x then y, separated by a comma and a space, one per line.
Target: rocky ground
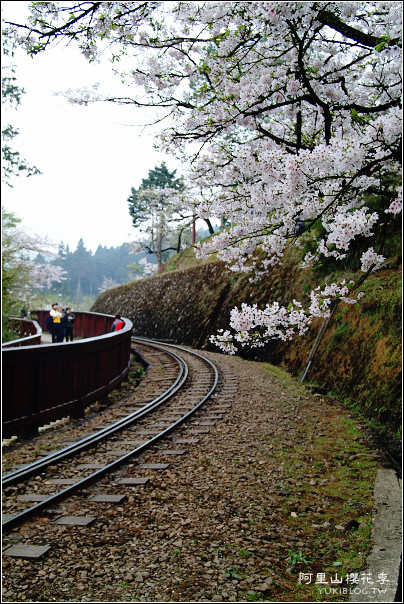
275, 502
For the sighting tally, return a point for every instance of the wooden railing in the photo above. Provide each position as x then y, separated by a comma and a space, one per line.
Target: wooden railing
52, 381
29, 333
86, 325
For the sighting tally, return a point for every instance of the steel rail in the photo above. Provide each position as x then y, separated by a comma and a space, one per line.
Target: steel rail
41, 464
65, 493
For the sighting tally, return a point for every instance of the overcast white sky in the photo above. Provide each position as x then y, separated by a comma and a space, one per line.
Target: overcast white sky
90, 157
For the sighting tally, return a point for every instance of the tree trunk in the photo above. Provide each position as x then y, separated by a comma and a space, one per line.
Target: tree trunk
210, 227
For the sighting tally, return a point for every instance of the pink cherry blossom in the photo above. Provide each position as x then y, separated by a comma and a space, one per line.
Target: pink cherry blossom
279, 110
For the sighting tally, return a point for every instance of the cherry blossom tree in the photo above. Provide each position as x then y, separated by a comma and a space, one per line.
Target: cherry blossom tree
149, 269
20, 272
288, 113
107, 283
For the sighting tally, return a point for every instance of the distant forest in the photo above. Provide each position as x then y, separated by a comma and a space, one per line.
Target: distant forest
88, 273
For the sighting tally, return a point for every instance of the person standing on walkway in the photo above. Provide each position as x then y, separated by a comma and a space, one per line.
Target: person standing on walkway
56, 324
68, 320
117, 324
62, 325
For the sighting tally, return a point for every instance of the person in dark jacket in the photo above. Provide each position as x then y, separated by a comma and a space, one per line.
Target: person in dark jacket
117, 324
62, 324
68, 320
49, 323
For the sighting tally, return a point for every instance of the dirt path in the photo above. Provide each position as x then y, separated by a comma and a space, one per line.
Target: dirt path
272, 505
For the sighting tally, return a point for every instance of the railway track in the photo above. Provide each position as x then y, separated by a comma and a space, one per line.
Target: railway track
182, 381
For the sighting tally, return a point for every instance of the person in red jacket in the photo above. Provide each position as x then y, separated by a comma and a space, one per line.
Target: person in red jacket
117, 324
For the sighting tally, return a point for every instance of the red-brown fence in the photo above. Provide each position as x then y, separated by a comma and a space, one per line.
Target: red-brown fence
48, 382
28, 332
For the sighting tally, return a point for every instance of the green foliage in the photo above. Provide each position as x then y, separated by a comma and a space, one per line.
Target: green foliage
297, 558
384, 40
137, 373
156, 208
340, 334
134, 269
13, 164
12, 273
245, 553
383, 297
359, 119
232, 573
141, 204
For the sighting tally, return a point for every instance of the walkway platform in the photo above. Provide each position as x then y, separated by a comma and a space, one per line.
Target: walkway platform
382, 578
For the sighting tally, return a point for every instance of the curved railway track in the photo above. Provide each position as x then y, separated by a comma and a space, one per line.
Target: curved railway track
193, 379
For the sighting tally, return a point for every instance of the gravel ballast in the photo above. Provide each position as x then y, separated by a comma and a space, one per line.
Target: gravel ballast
280, 487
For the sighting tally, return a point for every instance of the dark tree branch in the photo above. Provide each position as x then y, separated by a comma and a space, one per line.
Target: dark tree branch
281, 141
328, 18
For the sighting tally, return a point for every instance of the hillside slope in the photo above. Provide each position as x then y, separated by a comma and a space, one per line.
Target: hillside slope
358, 360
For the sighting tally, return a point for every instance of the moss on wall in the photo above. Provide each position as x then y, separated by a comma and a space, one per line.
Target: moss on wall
359, 358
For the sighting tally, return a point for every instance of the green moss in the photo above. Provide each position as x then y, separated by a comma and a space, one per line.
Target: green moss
340, 334
359, 357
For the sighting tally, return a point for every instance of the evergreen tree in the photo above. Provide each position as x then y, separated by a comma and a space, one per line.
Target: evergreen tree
82, 283
157, 207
